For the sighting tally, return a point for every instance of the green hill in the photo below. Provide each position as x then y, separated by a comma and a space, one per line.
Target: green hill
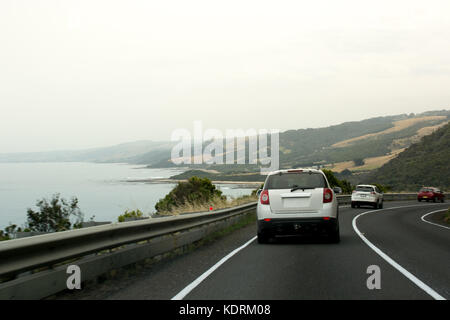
355, 140
426, 163
349, 141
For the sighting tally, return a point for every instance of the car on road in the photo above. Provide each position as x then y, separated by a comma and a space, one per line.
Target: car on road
366, 194
430, 194
297, 202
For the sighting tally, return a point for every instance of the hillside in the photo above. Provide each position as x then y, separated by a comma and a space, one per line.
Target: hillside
426, 163
356, 146
372, 141
375, 140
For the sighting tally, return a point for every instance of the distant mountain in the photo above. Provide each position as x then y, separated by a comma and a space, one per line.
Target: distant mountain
426, 163
125, 152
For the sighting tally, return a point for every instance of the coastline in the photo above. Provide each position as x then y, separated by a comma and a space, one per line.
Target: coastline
165, 180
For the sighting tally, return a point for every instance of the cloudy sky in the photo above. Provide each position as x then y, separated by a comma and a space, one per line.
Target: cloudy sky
76, 74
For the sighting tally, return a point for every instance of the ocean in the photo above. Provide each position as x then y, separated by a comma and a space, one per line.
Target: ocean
103, 190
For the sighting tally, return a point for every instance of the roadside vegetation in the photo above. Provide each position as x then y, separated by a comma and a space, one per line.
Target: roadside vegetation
447, 216
196, 195
335, 182
131, 215
53, 215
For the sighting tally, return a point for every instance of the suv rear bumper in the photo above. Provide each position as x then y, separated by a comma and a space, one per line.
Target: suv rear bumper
364, 200
364, 203
297, 226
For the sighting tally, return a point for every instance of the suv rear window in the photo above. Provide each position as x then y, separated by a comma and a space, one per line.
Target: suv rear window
364, 189
289, 180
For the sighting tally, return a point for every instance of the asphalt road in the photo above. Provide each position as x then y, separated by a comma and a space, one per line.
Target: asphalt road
296, 268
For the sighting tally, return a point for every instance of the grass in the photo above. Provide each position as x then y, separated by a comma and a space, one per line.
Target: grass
216, 203
369, 163
447, 216
398, 126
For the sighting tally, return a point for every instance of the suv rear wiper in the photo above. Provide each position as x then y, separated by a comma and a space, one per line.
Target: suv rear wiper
298, 188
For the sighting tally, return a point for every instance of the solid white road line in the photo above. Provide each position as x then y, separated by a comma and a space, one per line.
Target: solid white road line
405, 272
436, 224
183, 293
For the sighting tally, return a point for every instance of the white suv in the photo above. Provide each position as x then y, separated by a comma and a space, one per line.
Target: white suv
366, 194
297, 202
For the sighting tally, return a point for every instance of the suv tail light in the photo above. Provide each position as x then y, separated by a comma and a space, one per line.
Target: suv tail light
327, 195
265, 197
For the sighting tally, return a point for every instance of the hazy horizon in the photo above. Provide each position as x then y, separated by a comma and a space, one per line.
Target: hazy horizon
190, 128
87, 74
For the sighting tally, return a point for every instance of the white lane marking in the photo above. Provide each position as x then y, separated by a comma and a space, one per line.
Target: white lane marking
436, 224
183, 293
405, 272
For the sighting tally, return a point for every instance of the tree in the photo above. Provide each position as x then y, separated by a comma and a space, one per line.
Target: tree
346, 186
335, 182
54, 215
381, 187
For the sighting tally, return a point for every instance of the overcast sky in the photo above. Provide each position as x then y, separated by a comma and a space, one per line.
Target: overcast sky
76, 74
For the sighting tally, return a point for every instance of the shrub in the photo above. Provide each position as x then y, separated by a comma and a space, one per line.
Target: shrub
253, 194
195, 191
130, 214
3, 236
382, 188
335, 182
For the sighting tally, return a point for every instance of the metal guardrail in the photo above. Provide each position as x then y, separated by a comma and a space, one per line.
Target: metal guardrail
21, 255
137, 241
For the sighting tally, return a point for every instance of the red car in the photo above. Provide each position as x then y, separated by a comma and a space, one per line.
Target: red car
430, 193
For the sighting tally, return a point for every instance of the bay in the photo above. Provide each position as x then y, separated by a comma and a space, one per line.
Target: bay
102, 189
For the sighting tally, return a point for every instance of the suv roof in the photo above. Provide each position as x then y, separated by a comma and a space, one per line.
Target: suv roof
295, 170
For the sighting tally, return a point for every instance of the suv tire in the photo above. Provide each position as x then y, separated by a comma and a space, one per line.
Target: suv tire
263, 238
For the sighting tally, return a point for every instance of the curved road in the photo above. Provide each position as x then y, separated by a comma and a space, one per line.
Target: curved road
307, 268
